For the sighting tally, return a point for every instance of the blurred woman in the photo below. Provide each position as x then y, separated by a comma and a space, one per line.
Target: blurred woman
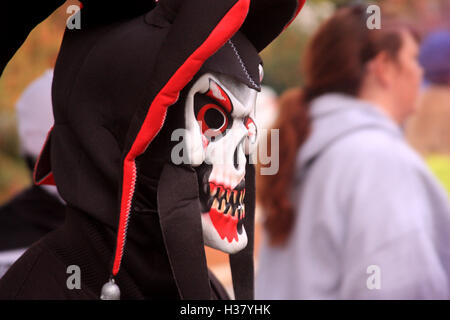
353, 212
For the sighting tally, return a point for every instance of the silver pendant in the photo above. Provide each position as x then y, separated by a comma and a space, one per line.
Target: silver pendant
110, 291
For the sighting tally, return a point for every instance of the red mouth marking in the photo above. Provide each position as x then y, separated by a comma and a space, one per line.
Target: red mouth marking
225, 225
227, 209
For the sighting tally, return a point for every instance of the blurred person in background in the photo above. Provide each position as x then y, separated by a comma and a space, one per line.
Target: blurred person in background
353, 213
38, 209
266, 107
428, 130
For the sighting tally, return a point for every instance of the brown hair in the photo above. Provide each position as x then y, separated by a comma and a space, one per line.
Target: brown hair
334, 61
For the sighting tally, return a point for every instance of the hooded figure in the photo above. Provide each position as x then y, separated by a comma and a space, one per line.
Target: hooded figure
154, 124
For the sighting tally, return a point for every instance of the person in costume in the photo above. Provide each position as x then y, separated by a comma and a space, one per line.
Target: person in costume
36, 210
122, 87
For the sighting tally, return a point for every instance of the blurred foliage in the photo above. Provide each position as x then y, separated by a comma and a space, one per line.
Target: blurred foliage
440, 166
14, 176
37, 54
9, 139
282, 61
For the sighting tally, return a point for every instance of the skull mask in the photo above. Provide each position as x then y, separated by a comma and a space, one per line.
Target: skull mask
221, 132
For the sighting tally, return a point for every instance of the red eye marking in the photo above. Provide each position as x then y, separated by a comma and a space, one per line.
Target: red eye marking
251, 127
217, 93
205, 141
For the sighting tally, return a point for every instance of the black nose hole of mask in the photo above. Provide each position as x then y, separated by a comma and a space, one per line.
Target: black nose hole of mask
236, 163
235, 158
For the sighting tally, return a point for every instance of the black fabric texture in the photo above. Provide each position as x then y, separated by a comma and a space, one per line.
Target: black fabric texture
17, 21
28, 217
237, 59
242, 263
99, 81
267, 19
41, 273
179, 211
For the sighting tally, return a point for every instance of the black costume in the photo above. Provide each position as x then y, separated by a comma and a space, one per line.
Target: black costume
118, 90
26, 218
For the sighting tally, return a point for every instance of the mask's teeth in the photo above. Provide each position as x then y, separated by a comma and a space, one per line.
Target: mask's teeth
229, 210
221, 192
240, 211
212, 189
228, 195
215, 204
222, 206
210, 202
235, 194
241, 197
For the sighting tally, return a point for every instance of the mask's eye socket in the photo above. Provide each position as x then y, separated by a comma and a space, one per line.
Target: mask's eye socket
213, 111
213, 120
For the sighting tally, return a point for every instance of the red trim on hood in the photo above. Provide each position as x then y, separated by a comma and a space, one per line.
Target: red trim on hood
155, 117
300, 4
48, 178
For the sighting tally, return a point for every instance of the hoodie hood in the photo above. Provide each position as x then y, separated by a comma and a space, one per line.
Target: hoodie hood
335, 115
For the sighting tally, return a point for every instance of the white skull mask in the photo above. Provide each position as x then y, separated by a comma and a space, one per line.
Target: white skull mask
221, 131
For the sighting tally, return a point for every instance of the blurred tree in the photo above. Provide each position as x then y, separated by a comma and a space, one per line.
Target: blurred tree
282, 61
37, 54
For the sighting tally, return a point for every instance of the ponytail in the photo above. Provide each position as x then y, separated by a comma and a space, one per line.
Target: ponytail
294, 124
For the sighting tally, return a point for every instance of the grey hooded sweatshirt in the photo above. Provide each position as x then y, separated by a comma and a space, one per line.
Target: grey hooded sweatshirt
371, 220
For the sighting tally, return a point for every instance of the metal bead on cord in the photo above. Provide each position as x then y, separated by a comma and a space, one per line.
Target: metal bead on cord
110, 291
